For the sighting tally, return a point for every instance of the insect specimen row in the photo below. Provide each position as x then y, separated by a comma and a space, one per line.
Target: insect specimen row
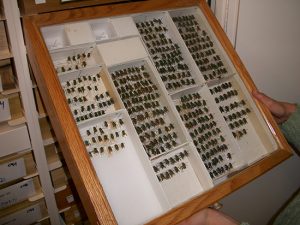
234, 110
207, 136
171, 166
201, 47
166, 54
74, 61
105, 138
141, 98
87, 97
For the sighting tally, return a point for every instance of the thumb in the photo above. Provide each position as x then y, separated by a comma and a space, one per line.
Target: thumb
274, 106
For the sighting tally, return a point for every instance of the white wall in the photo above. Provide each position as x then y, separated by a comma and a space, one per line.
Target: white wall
268, 42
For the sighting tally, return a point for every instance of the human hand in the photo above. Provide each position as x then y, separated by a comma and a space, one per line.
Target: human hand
209, 217
281, 111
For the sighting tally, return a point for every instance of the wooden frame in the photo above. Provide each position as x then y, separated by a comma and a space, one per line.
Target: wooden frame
81, 169
29, 7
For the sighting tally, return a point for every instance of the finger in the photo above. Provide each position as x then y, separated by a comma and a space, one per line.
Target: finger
275, 107
199, 218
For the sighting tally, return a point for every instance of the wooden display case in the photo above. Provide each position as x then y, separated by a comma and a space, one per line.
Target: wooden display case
29, 7
152, 107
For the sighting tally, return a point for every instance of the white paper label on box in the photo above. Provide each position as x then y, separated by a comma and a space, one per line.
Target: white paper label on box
12, 170
124, 26
16, 193
28, 215
70, 198
4, 110
79, 33
121, 51
76, 214
14, 139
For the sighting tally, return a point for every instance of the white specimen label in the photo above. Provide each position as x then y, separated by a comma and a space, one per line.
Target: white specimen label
12, 170
4, 110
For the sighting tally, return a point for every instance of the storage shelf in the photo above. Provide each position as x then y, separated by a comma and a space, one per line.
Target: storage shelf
20, 193
53, 157
16, 89
2, 15
14, 138
39, 104
47, 132
10, 91
6, 54
8, 80
59, 179
16, 110
4, 48
26, 212
67, 198
22, 166
74, 214
70, 215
